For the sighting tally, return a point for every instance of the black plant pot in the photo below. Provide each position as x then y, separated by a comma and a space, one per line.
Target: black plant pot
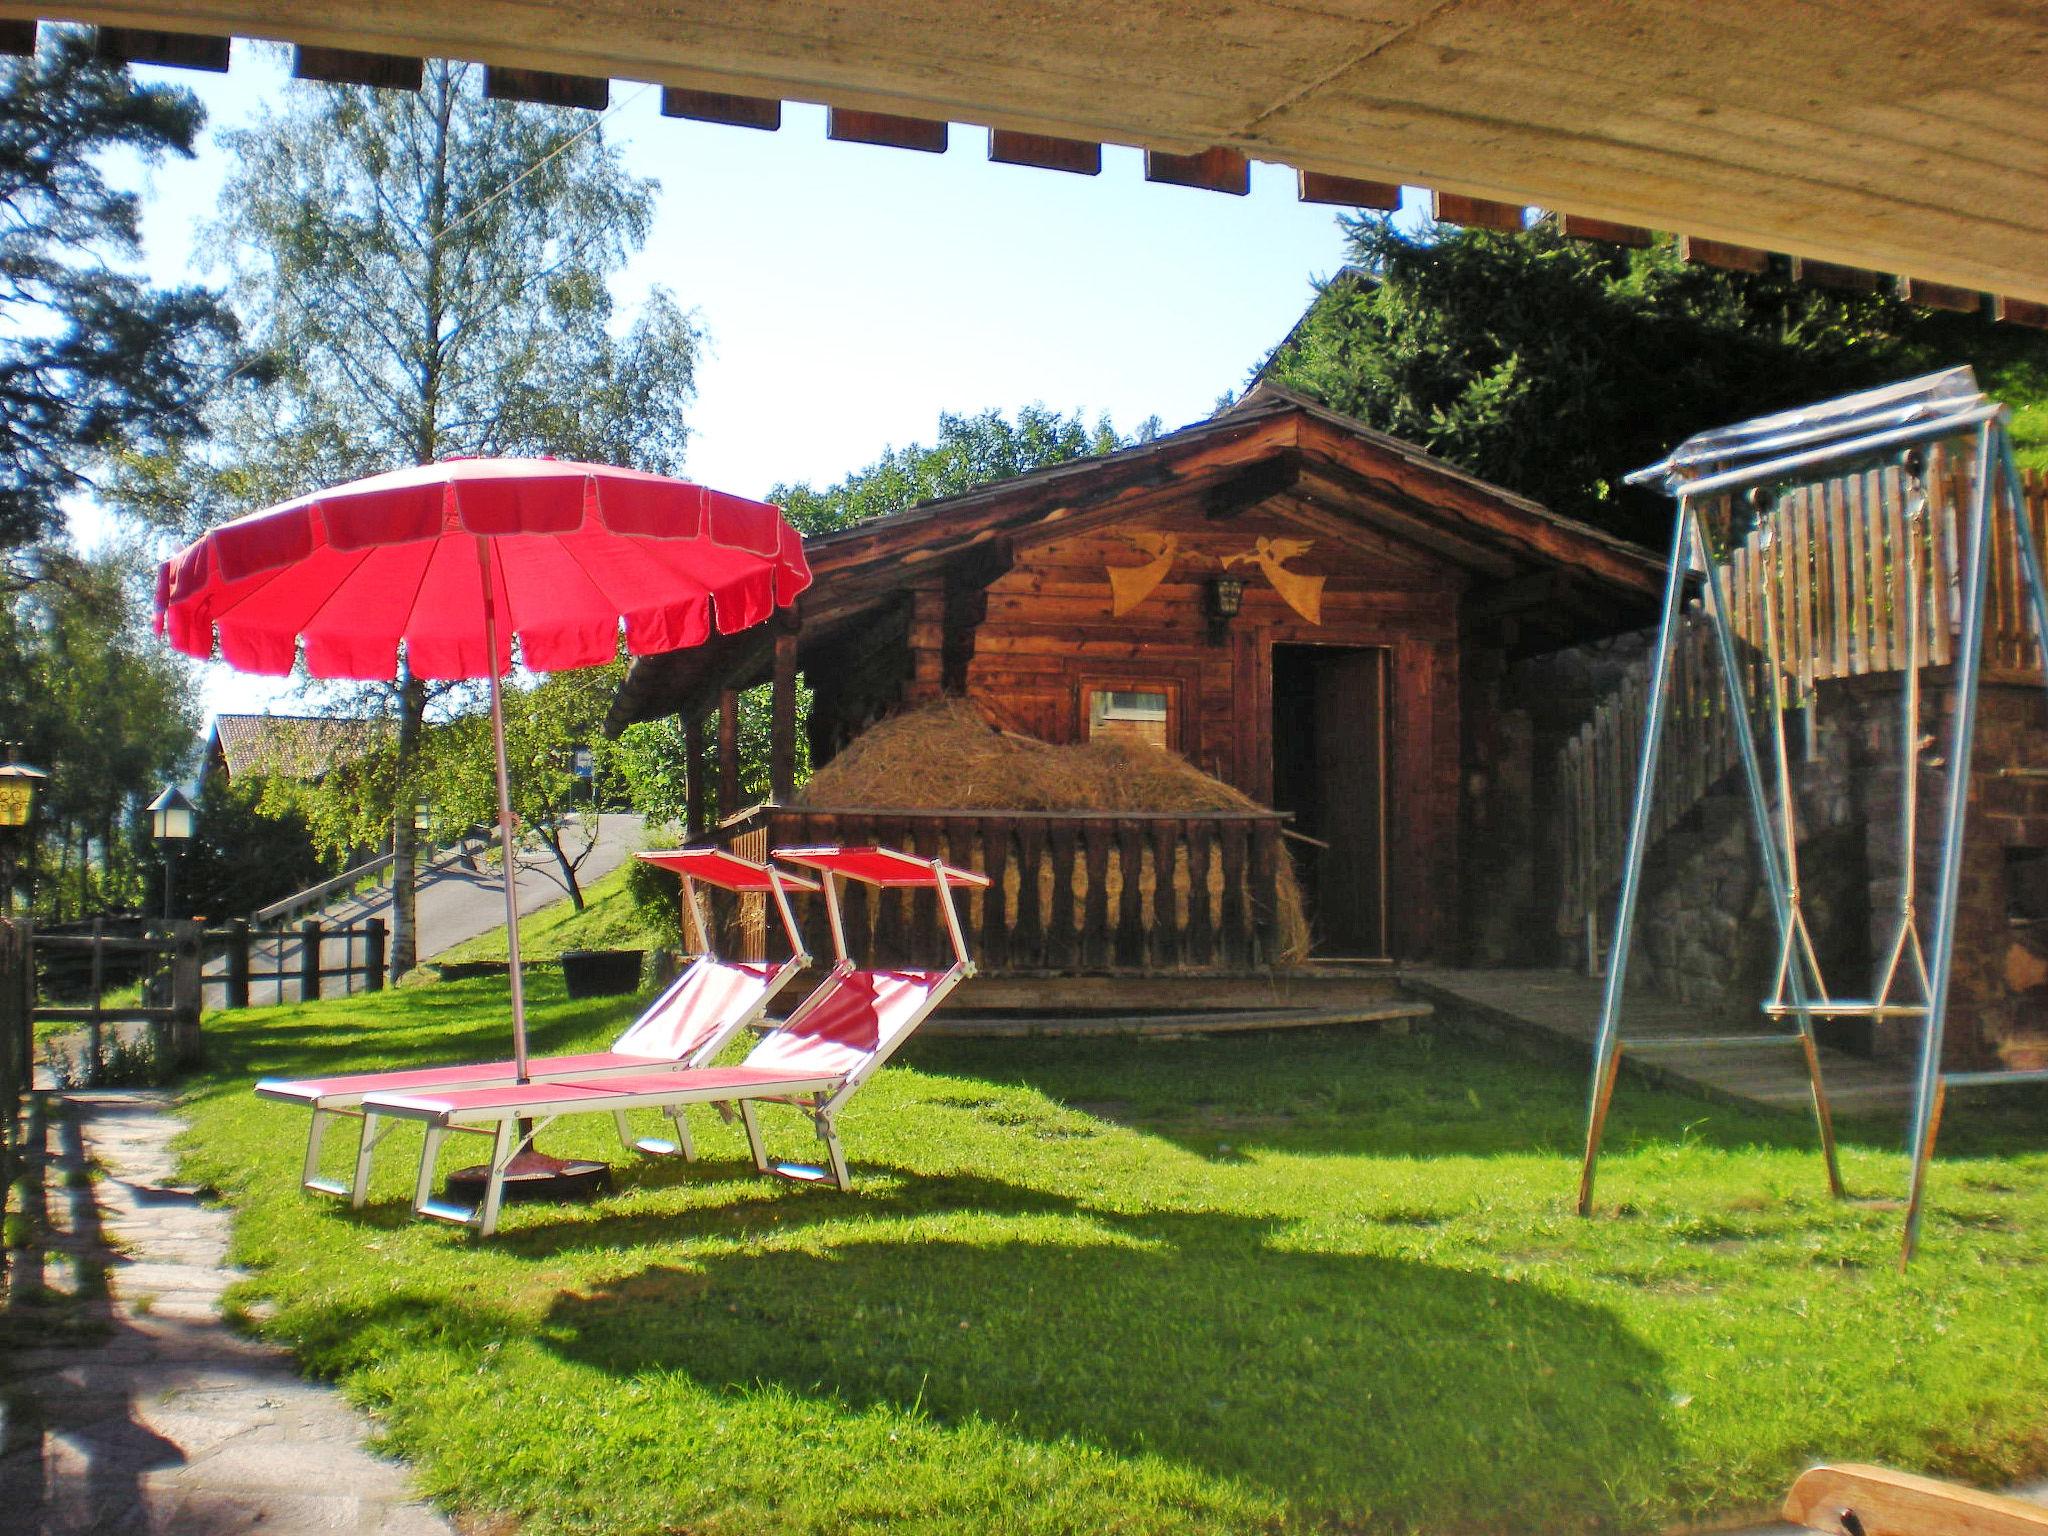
601, 972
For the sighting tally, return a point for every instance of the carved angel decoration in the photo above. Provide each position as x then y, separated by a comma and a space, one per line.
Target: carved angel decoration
1130, 585
1301, 592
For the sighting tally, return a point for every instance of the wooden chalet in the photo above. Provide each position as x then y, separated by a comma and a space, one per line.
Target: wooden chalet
1315, 612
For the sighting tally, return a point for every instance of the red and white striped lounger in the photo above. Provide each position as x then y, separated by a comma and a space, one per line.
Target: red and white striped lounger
835, 1040
687, 1025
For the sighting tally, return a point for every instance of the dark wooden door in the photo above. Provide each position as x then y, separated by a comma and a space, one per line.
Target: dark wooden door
1350, 774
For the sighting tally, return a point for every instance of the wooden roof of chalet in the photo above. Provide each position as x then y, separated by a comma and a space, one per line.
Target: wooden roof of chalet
1900, 136
1339, 476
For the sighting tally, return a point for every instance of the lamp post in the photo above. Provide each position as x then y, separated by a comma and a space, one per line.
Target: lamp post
19, 784
170, 822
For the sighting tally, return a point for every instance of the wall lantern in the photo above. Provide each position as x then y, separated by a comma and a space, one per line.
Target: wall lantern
1226, 597
19, 785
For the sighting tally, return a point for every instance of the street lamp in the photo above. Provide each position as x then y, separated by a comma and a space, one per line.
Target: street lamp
170, 822
19, 784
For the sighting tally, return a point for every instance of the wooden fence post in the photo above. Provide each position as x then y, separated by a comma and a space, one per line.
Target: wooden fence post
309, 960
238, 963
186, 1044
374, 943
99, 981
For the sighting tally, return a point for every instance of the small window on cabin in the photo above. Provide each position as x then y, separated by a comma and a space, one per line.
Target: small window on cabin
1127, 713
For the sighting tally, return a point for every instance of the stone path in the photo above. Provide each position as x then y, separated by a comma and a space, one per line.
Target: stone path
1563, 1009
135, 1409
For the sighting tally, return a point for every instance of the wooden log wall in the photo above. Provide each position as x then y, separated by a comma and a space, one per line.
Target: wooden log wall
1048, 636
1067, 893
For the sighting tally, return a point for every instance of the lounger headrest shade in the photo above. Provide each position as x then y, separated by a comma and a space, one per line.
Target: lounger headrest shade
727, 871
710, 993
864, 1013
878, 866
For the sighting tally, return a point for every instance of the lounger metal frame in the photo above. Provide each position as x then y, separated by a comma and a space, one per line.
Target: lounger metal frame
348, 1104
517, 1118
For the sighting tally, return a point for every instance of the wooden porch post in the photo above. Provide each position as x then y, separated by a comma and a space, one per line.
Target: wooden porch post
693, 778
782, 721
728, 752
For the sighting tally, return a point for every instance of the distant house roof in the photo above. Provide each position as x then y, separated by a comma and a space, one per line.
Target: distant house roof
288, 746
1560, 574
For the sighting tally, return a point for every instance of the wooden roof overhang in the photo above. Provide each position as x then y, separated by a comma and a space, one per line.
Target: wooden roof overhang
1900, 136
1565, 578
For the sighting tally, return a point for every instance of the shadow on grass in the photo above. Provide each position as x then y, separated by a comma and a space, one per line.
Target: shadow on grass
1345, 1383
1347, 1091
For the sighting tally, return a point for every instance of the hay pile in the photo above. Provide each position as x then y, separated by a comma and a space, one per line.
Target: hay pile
947, 756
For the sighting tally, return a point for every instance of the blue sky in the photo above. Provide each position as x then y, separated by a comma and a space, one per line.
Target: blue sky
850, 294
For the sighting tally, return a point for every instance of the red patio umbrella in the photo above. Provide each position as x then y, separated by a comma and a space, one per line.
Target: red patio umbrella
453, 560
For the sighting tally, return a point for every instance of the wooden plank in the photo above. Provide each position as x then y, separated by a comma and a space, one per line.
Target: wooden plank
1060, 937
764, 112
1201, 932
1577, 226
1077, 157
1858, 541
885, 129
1721, 254
2026, 312
994, 948
1027, 936
1876, 1501
545, 88
17, 37
1831, 274
1095, 946
1935, 553
1475, 212
1236, 930
1347, 191
1837, 495
1130, 917
350, 66
925, 945
1166, 925
178, 50
1917, 290
1208, 170
1265, 892
1901, 550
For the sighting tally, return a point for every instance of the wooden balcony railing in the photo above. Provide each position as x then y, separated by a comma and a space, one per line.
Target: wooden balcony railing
1069, 891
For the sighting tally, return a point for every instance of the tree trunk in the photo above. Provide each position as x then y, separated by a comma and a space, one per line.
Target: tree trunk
405, 939
554, 841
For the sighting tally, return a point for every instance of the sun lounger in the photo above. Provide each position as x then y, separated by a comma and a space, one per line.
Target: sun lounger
687, 1025
834, 1041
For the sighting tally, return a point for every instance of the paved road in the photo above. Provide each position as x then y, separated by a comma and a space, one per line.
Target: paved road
456, 902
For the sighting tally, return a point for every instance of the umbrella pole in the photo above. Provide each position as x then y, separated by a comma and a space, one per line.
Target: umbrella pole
483, 555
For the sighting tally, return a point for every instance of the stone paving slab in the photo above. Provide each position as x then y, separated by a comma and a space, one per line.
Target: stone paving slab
170, 1424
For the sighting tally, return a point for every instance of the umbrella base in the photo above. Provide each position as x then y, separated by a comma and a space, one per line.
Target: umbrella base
534, 1176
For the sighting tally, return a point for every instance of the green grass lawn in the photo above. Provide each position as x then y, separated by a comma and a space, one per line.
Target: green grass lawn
609, 920
1310, 1281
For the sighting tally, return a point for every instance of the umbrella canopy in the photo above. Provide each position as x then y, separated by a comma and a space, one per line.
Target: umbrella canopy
452, 560
574, 551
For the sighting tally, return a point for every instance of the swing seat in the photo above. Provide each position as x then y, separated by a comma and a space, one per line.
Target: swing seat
1832, 1008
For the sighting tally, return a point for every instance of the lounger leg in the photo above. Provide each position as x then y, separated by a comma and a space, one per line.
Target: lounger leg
625, 1132
836, 1153
679, 1117
314, 1137
366, 1148
753, 1125
507, 1142
423, 1190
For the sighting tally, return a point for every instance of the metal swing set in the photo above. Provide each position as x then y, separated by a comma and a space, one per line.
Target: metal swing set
1898, 424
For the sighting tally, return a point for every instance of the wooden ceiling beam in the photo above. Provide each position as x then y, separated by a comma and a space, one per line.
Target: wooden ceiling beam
345, 66
721, 107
